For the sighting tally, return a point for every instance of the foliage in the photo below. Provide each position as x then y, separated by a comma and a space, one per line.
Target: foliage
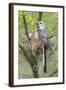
25, 55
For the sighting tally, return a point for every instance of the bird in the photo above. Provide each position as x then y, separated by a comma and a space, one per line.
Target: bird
44, 38
43, 34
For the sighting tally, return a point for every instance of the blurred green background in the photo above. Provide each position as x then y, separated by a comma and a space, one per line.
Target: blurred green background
24, 66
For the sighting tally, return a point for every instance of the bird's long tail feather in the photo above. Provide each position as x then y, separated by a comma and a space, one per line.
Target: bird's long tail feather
45, 65
44, 60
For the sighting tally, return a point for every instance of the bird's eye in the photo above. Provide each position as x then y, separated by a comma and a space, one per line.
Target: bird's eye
40, 23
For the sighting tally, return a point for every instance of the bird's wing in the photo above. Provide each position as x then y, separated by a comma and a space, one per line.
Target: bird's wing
44, 34
44, 38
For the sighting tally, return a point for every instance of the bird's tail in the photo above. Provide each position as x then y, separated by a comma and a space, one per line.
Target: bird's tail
45, 62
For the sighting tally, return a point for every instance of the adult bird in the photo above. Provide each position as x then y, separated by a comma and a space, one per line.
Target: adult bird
43, 37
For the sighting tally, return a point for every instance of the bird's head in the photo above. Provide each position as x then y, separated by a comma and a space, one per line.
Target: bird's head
41, 25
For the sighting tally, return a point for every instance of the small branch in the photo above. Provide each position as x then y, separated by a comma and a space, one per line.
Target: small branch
40, 16
52, 36
26, 29
51, 53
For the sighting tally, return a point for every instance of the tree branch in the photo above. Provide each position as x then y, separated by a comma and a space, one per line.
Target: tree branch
25, 25
52, 35
40, 16
31, 60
